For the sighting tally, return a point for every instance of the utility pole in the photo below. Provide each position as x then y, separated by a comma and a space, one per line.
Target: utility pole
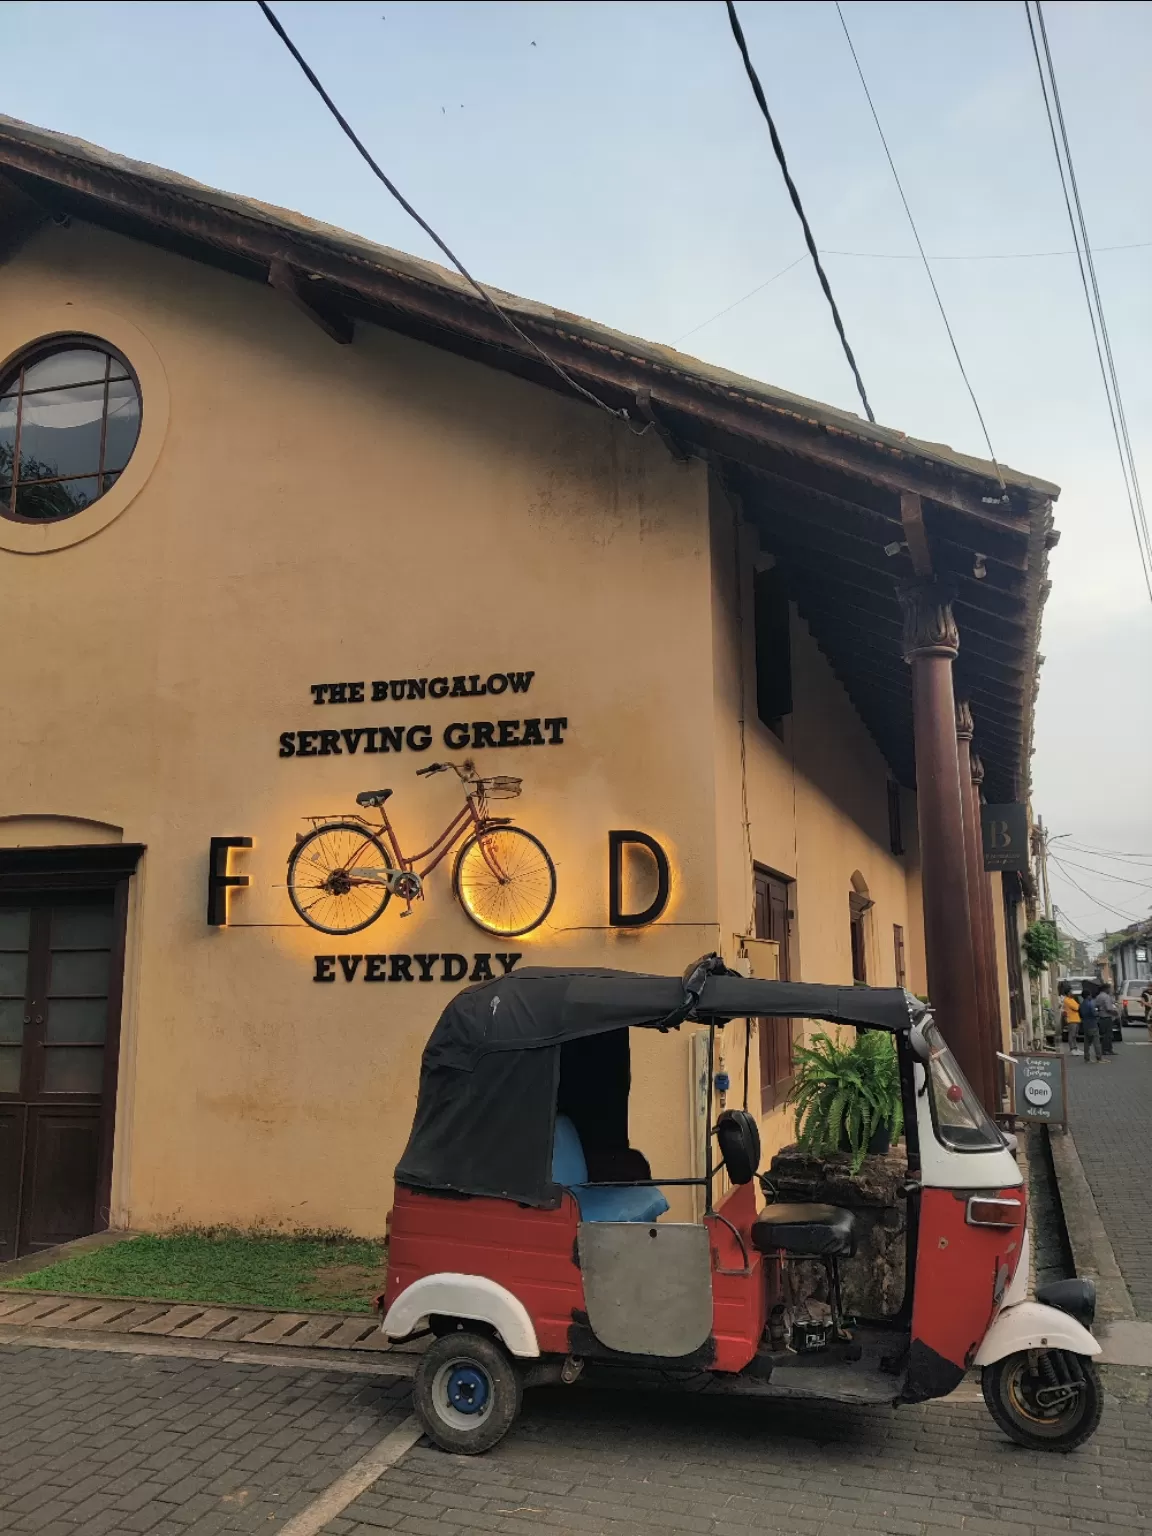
1040, 852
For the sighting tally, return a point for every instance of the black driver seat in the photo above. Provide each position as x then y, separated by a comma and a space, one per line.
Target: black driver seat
373, 796
806, 1231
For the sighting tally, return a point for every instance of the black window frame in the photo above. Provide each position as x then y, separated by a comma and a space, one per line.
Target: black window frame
11, 383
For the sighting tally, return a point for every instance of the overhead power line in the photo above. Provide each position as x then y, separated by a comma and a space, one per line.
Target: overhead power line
736, 303
920, 248
504, 316
1095, 900
1136, 245
1105, 874
1112, 853
809, 239
1070, 188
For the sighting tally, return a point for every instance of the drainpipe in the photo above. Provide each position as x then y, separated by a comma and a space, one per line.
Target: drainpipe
931, 643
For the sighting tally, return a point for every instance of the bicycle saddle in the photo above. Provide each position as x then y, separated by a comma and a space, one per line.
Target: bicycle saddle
373, 797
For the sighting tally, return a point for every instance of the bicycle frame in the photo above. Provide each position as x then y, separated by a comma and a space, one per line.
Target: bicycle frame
471, 813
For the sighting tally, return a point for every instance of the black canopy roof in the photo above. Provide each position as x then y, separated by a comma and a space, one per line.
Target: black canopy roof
485, 1116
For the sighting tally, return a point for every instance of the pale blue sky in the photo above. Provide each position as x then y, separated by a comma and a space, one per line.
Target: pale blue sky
609, 158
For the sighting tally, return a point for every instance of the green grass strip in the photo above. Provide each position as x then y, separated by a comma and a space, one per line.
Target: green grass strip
279, 1273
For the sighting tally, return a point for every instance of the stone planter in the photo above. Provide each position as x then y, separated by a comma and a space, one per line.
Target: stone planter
873, 1281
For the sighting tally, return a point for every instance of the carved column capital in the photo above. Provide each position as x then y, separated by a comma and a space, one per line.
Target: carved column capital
965, 730
929, 628
977, 771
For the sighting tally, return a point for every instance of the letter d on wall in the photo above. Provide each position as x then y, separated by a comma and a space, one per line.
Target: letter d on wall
616, 845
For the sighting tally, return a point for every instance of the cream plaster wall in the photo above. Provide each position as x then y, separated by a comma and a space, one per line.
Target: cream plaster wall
817, 808
322, 513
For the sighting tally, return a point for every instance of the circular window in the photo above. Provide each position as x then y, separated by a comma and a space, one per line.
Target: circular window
69, 420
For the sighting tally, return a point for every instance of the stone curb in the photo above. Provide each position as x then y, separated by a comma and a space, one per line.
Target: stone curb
31, 1312
1088, 1238
343, 1361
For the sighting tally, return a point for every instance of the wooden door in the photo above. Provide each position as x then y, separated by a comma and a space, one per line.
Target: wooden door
61, 957
773, 904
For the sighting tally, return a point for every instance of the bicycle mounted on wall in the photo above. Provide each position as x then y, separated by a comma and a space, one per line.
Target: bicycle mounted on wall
342, 875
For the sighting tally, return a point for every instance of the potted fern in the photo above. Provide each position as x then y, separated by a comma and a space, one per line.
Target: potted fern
847, 1097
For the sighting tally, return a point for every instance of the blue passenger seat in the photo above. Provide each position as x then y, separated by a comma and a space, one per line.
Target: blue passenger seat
598, 1202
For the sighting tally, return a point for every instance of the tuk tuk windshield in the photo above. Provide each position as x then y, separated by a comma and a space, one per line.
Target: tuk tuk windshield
958, 1116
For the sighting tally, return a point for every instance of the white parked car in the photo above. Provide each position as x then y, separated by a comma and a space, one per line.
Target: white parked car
1131, 1008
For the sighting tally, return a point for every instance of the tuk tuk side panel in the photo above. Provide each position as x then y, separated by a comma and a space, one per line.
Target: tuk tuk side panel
529, 1251
739, 1301
962, 1274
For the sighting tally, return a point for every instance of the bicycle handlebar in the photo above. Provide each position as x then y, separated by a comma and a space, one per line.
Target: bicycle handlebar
465, 770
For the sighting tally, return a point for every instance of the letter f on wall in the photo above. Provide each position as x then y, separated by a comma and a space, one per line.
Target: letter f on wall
219, 880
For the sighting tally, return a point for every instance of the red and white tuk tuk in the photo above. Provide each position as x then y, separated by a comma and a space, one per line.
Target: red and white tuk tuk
529, 1237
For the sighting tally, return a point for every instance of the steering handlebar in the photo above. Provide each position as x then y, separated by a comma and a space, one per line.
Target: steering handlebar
464, 770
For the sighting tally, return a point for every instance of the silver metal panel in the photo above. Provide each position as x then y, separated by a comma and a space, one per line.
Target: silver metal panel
648, 1288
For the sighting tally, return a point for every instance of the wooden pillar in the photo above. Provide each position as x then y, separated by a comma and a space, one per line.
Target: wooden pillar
984, 956
987, 915
931, 642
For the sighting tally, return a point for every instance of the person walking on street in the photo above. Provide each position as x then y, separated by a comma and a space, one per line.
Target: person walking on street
1107, 1016
1089, 1026
1146, 999
1069, 1012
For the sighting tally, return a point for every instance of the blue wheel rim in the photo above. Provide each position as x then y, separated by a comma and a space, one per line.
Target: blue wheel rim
468, 1389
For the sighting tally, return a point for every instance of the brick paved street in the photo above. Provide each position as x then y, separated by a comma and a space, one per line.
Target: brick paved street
1111, 1120
93, 1443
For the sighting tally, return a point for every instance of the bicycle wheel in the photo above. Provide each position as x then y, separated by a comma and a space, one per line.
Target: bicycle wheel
511, 890
329, 877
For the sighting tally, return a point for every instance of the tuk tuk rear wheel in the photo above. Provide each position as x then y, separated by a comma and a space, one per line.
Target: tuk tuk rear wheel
1022, 1394
467, 1393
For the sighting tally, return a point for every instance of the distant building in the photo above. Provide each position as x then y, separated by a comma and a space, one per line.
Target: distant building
1130, 952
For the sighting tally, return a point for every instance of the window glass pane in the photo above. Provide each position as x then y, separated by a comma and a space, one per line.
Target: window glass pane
74, 974
14, 927
109, 482
78, 365
7, 434
13, 975
70, 1069
76, 1020
123, 424
60, 432
10, 1068
11, 1020
62, 498
82, 927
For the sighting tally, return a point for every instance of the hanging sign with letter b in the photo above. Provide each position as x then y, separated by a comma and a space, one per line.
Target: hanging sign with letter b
1005, 829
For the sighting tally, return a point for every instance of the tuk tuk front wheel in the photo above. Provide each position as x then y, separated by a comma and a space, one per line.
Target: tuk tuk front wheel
1045, 1399
467, 1393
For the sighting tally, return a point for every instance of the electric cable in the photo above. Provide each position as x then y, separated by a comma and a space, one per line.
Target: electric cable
503, 315
736, 304
778, 148
1136, 245
1095, 900
1105, 874
920, 248
1086, 265
1112, 853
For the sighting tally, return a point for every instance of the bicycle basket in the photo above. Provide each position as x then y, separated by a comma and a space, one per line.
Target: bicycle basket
502, 787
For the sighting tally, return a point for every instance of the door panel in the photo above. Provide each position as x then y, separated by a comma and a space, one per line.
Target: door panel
61, 954
63, 1154
11, 1172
